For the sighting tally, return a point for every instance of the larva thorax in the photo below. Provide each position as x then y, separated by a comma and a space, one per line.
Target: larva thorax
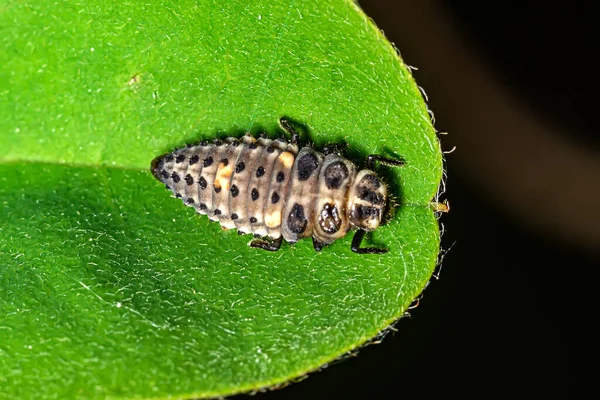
272, 188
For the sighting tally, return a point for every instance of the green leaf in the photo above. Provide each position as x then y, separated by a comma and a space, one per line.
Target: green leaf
110, 288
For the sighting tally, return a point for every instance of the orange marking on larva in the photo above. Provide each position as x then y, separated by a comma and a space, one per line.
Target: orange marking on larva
287, 159
223, 176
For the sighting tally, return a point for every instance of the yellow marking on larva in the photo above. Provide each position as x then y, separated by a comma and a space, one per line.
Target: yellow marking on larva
223, 176
273, 219
287, 159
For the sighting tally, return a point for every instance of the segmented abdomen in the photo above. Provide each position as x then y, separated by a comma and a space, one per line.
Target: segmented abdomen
263, 187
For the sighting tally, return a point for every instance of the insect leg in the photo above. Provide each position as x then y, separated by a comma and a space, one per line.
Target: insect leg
318, 246
357, 239
269, 245
287, 127
391, 162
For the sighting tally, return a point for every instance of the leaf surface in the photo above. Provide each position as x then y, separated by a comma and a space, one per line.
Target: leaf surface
110, 288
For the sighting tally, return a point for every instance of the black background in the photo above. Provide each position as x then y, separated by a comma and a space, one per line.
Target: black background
510, 314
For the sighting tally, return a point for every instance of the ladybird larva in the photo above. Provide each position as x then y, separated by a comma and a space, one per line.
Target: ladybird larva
276, 190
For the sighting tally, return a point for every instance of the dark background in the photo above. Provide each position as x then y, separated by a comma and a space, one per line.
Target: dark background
510, 313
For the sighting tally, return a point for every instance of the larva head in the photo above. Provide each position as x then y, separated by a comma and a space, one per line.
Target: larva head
366, 201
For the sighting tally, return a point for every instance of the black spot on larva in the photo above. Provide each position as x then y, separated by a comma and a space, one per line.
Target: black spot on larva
164, 174
178, 195
240, 167
329, 219
254, 194
335, 174
169, 158
260, 172
270, 149
167, 186
253, 220
306, 165
202, 183
179, 158
217, 211
194, 159
370, 181
252, 146
234, 216
203, 143
234, 191
370, 196
365, 212
280, 176
190, 200
217, 188
274, 198
202, 206
235, 143
224, 161
296, 220
208, 161
218, 142
175, 177
189, 180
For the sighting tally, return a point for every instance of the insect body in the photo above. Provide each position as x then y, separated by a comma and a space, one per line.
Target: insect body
276, 190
